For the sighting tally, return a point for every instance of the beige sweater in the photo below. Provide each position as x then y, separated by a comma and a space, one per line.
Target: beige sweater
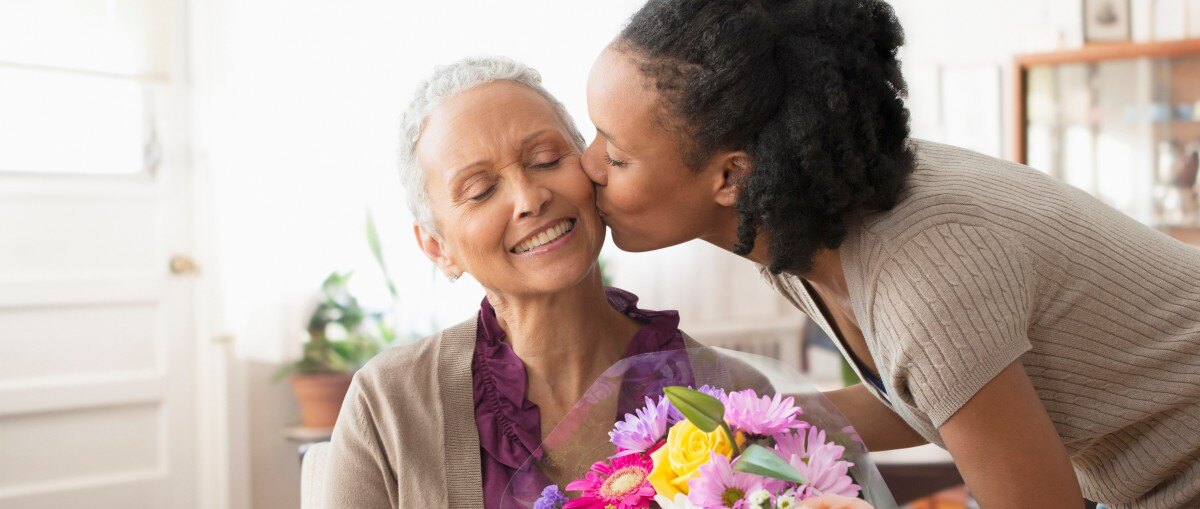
406, 435
984, 262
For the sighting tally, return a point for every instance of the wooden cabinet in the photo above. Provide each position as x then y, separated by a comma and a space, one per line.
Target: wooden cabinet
1121, 121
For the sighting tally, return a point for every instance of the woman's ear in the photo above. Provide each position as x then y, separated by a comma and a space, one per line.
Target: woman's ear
431, 244
731, 170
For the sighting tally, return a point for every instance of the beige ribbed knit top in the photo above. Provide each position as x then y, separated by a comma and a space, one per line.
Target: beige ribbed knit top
984, 262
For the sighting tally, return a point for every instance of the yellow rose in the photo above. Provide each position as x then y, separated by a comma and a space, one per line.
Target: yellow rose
680, 458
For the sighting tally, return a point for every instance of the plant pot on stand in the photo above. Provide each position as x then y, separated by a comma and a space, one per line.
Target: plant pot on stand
320, 396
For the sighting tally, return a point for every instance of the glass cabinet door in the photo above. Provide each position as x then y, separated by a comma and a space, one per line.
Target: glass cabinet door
1126, 131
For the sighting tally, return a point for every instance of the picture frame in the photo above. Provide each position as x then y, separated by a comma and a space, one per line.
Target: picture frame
1106, 21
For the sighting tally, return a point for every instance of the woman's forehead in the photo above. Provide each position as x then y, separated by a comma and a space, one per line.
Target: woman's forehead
487, 122
621, 102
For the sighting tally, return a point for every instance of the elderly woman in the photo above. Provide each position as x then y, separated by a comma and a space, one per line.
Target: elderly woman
1050, 343
491, 163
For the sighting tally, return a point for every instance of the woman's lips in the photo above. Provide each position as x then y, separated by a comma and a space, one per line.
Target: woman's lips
552, 245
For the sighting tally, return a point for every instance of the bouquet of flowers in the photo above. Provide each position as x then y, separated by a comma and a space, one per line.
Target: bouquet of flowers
706, 446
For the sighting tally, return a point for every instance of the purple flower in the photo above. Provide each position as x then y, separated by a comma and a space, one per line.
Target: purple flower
643, 429
552, 498
718, 486
765, 416
715, 392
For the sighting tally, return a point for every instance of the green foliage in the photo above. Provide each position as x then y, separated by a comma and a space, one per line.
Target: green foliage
377, 252
604, 277
849, 377
705, 412
759, 460
342, 335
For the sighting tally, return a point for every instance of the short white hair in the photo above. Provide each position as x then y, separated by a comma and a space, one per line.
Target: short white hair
447, 81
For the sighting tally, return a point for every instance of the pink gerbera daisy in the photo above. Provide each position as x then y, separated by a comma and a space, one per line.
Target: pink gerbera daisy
763, 416
619, 484
718, 486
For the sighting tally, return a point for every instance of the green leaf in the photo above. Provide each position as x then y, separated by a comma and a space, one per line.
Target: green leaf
759, 460
706, 412
345, 350
283, 373
377, 252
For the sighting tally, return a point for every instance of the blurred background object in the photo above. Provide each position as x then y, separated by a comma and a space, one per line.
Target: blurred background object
177, 176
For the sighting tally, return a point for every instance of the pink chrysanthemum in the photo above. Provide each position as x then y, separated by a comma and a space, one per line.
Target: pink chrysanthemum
826, 473
805, 443
618, 484
640, 431
765, 416
718, 486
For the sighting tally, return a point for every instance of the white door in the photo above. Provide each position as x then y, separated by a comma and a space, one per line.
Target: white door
96, 370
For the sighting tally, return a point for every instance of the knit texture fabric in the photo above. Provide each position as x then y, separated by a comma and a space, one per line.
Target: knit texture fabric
985, 262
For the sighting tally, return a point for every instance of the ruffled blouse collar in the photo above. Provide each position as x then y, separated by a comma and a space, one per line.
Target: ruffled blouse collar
509, 424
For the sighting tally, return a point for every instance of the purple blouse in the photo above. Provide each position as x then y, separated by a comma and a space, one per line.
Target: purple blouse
510, 428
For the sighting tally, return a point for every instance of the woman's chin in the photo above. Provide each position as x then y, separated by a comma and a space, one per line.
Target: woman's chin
558, 279
633, 243
559, 270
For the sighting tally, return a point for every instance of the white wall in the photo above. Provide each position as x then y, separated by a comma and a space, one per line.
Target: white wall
296, 109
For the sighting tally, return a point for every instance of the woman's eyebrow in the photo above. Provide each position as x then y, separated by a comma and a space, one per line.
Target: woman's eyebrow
484, 162
610, 139
528, 139
463, 169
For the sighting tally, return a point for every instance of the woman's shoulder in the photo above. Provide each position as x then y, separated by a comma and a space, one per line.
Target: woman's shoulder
410, 364
954, 185
954, 196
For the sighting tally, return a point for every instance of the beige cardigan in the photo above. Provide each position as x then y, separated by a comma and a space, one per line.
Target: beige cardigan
421, 393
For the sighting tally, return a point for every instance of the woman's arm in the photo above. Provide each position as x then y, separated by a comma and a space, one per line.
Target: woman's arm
358, 474
878, 426
1007, 449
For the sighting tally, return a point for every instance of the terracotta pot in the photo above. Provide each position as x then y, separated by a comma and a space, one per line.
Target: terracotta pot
320, 396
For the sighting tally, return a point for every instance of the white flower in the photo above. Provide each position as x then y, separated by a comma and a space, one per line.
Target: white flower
787, 500
680, 502
759, 499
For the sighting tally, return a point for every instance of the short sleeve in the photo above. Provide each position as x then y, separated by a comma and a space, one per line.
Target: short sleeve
952, 305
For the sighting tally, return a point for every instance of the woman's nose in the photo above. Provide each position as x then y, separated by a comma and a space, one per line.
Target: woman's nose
530, 199
593, 167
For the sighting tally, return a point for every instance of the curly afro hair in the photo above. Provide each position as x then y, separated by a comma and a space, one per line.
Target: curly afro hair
810, 89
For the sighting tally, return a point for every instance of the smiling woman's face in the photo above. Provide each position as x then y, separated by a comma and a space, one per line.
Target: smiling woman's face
645, 192
510, 200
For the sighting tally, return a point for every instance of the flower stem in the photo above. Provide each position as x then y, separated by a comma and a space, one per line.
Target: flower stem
737, 451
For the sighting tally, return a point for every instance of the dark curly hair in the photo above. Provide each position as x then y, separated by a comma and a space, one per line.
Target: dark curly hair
810, 89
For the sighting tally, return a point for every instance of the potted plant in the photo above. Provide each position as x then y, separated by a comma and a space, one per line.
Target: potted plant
342, 336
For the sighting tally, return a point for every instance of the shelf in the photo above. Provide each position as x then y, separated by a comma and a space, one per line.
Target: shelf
304, 435
1111, 51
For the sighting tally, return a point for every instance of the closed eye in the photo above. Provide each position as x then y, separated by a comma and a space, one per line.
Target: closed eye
485, 194
614, 162
547, 166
